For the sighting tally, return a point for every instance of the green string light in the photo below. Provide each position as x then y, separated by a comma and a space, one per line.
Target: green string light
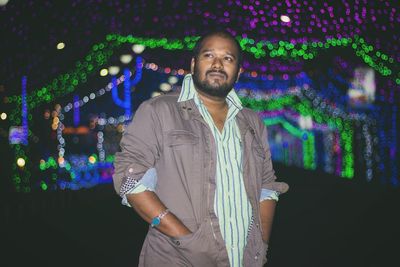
21, 177
50, 163
101, 53
304, 108
308, 143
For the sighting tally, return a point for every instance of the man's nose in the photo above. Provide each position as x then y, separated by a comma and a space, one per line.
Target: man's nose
217, 63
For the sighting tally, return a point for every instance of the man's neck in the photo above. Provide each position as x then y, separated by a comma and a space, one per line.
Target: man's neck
213, 103
217, 107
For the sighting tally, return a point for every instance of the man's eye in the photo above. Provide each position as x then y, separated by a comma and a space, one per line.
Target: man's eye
229, 59
208, 55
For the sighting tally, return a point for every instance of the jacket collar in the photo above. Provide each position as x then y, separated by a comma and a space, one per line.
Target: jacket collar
190, 111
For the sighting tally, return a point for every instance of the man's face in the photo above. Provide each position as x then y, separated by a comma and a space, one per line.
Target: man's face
216, 68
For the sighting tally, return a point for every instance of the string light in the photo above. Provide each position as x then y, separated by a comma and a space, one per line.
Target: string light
60, 46
21, 162
101, 52
299, 49
103, 72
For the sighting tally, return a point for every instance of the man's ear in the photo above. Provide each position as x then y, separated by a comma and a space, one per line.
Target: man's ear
192, 65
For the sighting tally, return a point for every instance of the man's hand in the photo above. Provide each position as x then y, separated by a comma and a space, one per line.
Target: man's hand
148, 205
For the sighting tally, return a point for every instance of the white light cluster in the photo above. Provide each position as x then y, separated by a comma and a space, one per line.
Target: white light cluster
101, 121
165, 87
285, 18
138, 48
368, 151
100, 147
60, 45
172, 80
126, 59
305, 122
113, 70
103, 72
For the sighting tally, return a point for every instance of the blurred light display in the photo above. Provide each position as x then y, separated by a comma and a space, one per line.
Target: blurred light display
101, 53
282, 111
313, 122
128, 85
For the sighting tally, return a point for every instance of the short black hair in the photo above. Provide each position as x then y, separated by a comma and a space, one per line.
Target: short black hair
219, 33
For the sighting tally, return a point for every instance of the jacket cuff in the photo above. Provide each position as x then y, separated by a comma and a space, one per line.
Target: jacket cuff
133, 186
267, 194
138, 189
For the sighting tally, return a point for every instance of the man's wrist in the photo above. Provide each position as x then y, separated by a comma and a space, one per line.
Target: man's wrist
157, 220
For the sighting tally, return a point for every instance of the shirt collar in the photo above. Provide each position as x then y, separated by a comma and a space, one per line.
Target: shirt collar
189, 92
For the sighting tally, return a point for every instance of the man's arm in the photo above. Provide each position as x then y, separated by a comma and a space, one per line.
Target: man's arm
148, 205
267, 211
140, 148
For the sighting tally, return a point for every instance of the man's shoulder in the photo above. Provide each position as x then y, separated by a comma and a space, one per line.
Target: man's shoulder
167, 98
253, 119
250, 114
162, 101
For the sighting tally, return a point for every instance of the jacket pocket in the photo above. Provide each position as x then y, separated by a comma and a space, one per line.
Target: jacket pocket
176, 138
184, 241
256, 252
196, 248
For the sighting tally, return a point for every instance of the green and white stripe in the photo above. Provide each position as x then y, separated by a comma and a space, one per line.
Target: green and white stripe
231, 205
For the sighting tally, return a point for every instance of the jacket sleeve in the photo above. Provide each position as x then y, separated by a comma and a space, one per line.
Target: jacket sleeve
140, 149
268, 176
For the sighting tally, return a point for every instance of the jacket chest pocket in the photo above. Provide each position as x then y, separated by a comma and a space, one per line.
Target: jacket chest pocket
181, 139
183, 148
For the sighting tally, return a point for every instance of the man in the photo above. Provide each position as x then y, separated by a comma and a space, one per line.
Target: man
197, 167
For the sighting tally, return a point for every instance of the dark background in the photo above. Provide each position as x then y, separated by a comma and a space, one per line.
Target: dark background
321, 221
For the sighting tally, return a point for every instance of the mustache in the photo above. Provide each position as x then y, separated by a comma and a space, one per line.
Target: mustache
217, 71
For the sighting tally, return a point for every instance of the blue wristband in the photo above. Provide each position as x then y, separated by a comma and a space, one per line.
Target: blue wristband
157, 220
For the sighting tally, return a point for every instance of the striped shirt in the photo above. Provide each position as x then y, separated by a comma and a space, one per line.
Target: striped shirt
231, 204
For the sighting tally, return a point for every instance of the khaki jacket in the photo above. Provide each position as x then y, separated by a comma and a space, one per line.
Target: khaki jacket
173, 138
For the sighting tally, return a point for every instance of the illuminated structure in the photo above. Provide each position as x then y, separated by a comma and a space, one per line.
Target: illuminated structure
306, 107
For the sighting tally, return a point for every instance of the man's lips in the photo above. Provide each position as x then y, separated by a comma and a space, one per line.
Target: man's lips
217, 74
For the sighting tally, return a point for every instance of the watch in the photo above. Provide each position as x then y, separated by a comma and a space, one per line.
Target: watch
157, 220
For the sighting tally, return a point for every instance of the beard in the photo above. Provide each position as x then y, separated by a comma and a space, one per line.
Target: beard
216, 89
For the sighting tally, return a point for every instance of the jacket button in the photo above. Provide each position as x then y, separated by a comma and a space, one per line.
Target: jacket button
177, 243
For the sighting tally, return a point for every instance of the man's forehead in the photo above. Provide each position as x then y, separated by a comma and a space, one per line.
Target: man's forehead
218, 42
